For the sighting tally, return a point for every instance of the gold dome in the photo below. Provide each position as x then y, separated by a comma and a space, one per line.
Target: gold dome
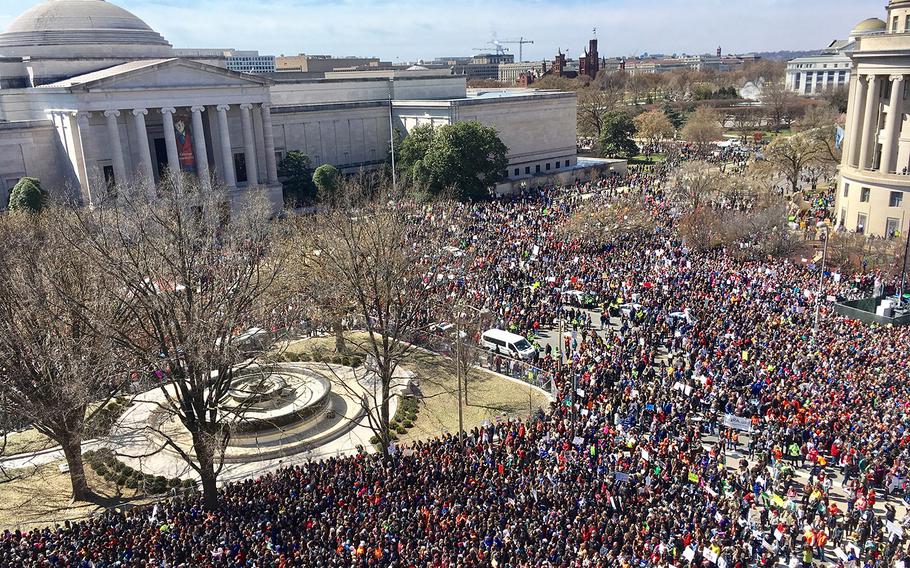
872, 25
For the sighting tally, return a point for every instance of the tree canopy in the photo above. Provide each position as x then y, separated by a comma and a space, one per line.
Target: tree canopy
297, 178
653, 126
27, 195
327, 180
616, 136
702, 128
466, 158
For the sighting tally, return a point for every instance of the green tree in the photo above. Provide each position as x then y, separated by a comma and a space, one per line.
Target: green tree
297, 178
616, 136
327, 179
412, 150
673, 115
466, 158
27, 195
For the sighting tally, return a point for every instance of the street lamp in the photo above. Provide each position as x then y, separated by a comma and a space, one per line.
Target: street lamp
821, 277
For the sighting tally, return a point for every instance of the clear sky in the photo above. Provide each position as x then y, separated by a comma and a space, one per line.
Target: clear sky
412, 29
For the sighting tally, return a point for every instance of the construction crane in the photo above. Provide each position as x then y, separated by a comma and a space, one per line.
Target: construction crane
521, 44
497, 46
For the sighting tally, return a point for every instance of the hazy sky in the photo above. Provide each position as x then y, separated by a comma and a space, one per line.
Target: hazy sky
412, 29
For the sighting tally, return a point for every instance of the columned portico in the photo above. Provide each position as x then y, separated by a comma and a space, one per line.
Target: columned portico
269, 135
893, 125
80, 142
856, 125
870, 123
144, 173
252, 171
170, 139
227, 153
202, 162
113, 135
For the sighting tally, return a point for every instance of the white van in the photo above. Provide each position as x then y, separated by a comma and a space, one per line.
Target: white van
508, 344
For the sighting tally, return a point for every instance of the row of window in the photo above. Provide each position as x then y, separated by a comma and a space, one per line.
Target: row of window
815, 65
557, 165
895, 199
895, 24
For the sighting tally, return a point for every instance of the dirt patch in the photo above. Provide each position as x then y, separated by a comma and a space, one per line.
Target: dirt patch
40, 497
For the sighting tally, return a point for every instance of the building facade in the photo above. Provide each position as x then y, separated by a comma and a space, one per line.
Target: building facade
589, 62
90, 96
830, 69
874, 190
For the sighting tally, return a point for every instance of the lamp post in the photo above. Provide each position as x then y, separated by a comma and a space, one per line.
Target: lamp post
821, 278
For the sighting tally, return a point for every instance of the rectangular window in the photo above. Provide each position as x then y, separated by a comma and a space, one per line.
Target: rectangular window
894, 24
864, 195
846, 190
527, 170
567, 163
516, 171
896, 199
861, 223
548, 166
907, 24
537, 168
557, 165
892, 226
797, 81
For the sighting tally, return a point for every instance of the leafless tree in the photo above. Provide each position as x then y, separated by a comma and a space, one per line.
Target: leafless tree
703, 128
593, 105
58, 366
600, 222
369, 246
781, 104
792, 157
193, 273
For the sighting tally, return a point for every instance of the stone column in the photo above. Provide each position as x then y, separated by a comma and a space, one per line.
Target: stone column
170, 141
202, 157
113, 135
80, 140
870, 123
146, 175
856, 121
249, 146
227, 153
893, 124
269, 136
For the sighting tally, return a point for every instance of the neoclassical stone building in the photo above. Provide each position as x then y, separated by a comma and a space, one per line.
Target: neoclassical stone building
90, 95
874, 191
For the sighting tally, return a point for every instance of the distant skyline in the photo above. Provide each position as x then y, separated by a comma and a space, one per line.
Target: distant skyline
411, 29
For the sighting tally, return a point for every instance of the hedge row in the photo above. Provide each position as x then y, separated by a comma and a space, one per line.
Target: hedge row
352, 361
110, 468
403, 420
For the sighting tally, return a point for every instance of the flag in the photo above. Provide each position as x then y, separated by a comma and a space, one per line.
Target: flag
839, 138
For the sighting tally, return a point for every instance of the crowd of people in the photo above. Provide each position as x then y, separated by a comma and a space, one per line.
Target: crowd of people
705, 423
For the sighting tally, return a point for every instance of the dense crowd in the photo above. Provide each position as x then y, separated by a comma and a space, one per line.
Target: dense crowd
705, 423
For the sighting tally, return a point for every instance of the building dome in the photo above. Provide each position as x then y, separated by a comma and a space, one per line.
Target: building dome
872, 25
81, 28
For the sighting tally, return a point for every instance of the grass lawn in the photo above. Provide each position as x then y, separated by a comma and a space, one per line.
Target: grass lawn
643, 160
26, 441
40, 497
490, 397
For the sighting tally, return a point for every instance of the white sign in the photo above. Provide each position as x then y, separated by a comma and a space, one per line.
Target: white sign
689, 553
738, 423
894, 528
